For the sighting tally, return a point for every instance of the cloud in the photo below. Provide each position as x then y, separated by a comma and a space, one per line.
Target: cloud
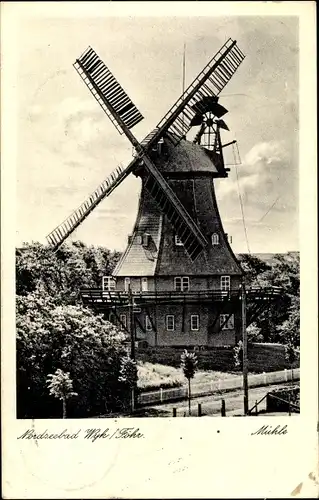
263, 175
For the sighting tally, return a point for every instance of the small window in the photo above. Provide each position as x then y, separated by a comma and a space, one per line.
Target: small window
148, 324
127, 284
229, 238
139, 239
178, 242
123, 319
225, 282
144, 285
215, 239
108, 283
146, 239
226, 321
194, 322
185, 283
181, 283
170, 322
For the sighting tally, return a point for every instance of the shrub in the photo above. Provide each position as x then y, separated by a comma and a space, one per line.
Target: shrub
74, 340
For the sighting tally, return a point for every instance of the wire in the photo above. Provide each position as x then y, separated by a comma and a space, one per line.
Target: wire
269, 209
242, 209
184, 52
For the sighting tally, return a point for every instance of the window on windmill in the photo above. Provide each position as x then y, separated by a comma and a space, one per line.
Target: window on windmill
160, 145
194, 322
108, 283
225, 283
229, 238
181, 283
139, 239
178, 242
146, 239
123, 319
170, 322
144, 284
226, 321
215, 239
127, 284
148, 324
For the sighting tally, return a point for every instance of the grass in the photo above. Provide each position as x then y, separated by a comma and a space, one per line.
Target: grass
153, 376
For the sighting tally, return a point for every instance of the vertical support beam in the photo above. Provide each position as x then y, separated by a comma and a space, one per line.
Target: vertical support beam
183, 314
156, 335
245, 354
132, 332
132, 323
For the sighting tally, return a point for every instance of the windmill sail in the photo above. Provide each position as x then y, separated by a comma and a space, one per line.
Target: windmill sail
61, 232
106, 90
210, 82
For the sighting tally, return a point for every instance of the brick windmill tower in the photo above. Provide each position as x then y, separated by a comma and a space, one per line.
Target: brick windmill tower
178, 281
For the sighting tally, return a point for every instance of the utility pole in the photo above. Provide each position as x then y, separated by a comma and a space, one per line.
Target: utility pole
132, 323
132, 333
245, 354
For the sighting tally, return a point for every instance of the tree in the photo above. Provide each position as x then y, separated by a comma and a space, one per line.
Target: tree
61, 386
74, 340
253, 333
282, 317
61, 274
291, 356
238, 355
189, 367
128, 375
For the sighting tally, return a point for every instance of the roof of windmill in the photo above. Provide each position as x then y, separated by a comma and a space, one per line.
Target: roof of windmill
187, 157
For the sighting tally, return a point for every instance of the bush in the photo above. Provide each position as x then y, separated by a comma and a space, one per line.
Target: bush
74, 340
278, 400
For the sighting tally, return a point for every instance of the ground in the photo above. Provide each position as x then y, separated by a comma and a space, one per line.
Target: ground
153, 376
211, 405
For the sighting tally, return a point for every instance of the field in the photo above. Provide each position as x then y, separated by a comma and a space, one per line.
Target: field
153, 376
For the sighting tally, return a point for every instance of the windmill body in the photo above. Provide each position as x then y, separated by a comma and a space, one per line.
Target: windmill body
155, 261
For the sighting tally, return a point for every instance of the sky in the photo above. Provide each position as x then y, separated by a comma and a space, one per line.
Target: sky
67, 145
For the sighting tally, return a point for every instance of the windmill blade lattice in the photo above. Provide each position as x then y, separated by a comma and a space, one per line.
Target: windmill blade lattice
210, 82
61, 232
106, 90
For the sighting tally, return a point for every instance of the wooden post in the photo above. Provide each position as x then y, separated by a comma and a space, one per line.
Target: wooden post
223, 408
174, 412
199, 410
245, 354
289, 407
132, 323
132, 333
256, 407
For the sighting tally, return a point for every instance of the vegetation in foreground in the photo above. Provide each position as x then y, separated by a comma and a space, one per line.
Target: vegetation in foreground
68, 354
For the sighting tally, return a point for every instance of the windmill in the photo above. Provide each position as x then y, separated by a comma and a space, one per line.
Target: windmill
178, 264
175, 124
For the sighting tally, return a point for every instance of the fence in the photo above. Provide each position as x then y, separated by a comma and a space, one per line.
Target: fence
207, 388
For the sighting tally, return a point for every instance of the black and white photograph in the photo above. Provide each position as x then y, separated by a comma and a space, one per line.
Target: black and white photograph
157, 233
173, 285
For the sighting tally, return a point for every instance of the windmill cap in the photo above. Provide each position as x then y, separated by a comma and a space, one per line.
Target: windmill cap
186, 158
